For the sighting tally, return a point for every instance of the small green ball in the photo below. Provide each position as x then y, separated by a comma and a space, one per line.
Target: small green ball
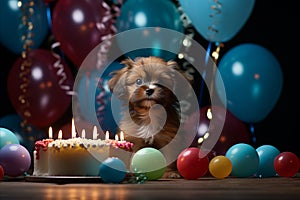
149, 161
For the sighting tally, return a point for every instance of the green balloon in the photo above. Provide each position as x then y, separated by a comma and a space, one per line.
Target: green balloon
149, 161
7, 137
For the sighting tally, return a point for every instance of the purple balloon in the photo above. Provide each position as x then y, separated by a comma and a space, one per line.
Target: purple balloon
15, 159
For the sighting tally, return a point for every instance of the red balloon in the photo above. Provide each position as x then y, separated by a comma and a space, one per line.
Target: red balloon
1, 172
66, 132
192, 163
234, 130
80, 25
286, 164
45, 95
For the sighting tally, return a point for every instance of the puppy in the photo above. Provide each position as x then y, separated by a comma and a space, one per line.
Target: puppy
145, 86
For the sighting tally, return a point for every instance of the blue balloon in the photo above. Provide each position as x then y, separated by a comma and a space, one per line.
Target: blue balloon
267, 155
7, 137
12, 30
244, 159
253, 80
218, 21
99, 103
112, 170
27, 139
138, 14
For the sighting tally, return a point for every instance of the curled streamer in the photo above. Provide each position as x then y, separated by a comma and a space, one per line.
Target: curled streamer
100, 98
112, 11
217, 10
189, 34
61, 71
185, 57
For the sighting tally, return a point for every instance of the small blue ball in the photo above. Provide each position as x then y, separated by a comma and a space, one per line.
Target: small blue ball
244, 159
266, 154
112, 170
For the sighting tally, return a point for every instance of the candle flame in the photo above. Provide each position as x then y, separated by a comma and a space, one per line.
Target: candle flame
117, 137
209, 114
59, 134
95, 134
73, 132
106, 135
50, 133
121, 136
83, 134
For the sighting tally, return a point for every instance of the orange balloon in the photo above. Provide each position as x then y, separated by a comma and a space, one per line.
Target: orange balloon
220, 167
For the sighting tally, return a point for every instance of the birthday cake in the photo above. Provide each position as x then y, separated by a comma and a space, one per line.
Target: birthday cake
76, 156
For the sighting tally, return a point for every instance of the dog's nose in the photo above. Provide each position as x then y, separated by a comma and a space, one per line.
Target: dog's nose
149, 91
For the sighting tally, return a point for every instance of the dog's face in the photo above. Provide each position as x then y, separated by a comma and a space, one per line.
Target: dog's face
145, 81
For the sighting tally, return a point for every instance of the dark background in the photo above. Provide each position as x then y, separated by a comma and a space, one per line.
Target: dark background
273, 25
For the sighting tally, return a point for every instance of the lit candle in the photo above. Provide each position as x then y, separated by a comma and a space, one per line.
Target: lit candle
50, 133
121, 136
106, 135
116, 137
95, 134
73, 129
59, 134
83, 134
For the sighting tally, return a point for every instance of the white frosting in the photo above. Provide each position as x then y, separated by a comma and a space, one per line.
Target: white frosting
77, 142
41, 164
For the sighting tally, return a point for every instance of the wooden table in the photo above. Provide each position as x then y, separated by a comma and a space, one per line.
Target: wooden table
202, 188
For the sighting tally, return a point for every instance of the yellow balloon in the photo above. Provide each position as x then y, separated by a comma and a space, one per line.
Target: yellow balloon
220, 167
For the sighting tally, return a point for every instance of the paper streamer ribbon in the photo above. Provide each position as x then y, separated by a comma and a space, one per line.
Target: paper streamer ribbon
100, 100
111, 13
61, 71
190, 33
188, 59
217, 10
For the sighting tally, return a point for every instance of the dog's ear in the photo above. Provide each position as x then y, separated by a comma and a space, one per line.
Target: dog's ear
128, 63
117, 82
174, 65
181, 87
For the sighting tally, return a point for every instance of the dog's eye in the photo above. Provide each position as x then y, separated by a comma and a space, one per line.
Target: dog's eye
139, 81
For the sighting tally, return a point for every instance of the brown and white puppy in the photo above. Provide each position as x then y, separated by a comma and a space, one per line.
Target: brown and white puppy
145, 86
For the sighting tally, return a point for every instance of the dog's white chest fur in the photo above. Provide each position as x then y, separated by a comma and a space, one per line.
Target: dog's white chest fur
147, 131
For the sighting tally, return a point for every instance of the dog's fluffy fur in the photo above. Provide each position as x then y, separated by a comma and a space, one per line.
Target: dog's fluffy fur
143, 84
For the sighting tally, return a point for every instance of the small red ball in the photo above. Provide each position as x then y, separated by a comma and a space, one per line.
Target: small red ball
286, 164
192, 163
1, 172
